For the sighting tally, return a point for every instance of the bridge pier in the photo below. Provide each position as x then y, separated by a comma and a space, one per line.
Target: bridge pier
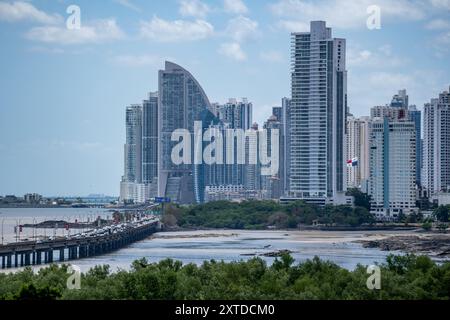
83, 251
27, 258
3, 262
61, 254
38, 257
50, 256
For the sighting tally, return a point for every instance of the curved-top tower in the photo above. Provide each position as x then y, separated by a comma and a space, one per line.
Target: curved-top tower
181, 102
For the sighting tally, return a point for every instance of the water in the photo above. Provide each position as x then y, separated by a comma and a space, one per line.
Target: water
198, 246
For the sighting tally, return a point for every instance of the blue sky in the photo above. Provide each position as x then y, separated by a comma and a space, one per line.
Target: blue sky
63, 92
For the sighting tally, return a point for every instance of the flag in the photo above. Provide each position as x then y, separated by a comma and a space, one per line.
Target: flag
352, 163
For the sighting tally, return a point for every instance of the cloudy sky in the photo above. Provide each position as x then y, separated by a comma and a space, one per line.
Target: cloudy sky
63, 92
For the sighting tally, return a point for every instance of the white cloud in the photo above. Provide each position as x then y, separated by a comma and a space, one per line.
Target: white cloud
441, 41
138, 60
293, 26
381, 57
233, 50
175, 31
41, 49
442, 4
242, 28
377, 88
343, 13
271, 56
24, 11
96, 32
444, 38
438, 24
128, 4
194, 8
235, 6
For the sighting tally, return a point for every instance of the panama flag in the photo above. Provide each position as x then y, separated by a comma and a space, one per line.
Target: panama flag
352, 163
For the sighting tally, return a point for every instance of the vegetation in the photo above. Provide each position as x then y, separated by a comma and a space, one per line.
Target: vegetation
402, 277
361, 199
442, 213
263, 215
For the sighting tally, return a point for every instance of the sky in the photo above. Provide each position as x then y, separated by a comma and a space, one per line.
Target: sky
63, 90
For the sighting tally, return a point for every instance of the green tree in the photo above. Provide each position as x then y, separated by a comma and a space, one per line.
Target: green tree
361, 199
442, 213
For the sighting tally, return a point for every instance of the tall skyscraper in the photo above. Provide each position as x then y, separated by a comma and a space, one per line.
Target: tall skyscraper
273, 185
357, 147
436, 145
181, 102
150, 139
399, 109
392, 182
252, 171
132, 153
318, 114
236, 115
286, 120
415, 115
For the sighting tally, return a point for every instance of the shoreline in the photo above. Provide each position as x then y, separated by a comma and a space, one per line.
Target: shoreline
430, 244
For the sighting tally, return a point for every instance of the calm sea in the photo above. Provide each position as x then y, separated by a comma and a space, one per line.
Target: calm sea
198, 246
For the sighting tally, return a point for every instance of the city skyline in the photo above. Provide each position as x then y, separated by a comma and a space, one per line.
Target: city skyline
90, 83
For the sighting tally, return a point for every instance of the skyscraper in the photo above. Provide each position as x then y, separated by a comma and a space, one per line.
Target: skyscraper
252, 172
400, 108
415, 115
235, 115
318, 114
286, 120
273, 185
150, 139
436, 146
181, 103
357, 147
392, 182
132, 153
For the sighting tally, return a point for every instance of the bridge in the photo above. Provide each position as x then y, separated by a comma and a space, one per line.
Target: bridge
93, 243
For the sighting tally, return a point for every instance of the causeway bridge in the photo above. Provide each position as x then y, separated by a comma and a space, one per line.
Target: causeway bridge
31, 253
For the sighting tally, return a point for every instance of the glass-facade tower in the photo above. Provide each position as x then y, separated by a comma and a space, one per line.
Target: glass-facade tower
318, 114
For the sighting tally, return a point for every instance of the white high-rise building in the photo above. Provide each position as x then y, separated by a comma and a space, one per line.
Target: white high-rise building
436, 146
392, 182
318, 115
357, 148
286, 120
132, 153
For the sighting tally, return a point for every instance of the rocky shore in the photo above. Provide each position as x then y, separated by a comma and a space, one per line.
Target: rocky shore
437, 245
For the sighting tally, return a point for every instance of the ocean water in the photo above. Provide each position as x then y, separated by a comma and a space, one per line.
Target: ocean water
198, 246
